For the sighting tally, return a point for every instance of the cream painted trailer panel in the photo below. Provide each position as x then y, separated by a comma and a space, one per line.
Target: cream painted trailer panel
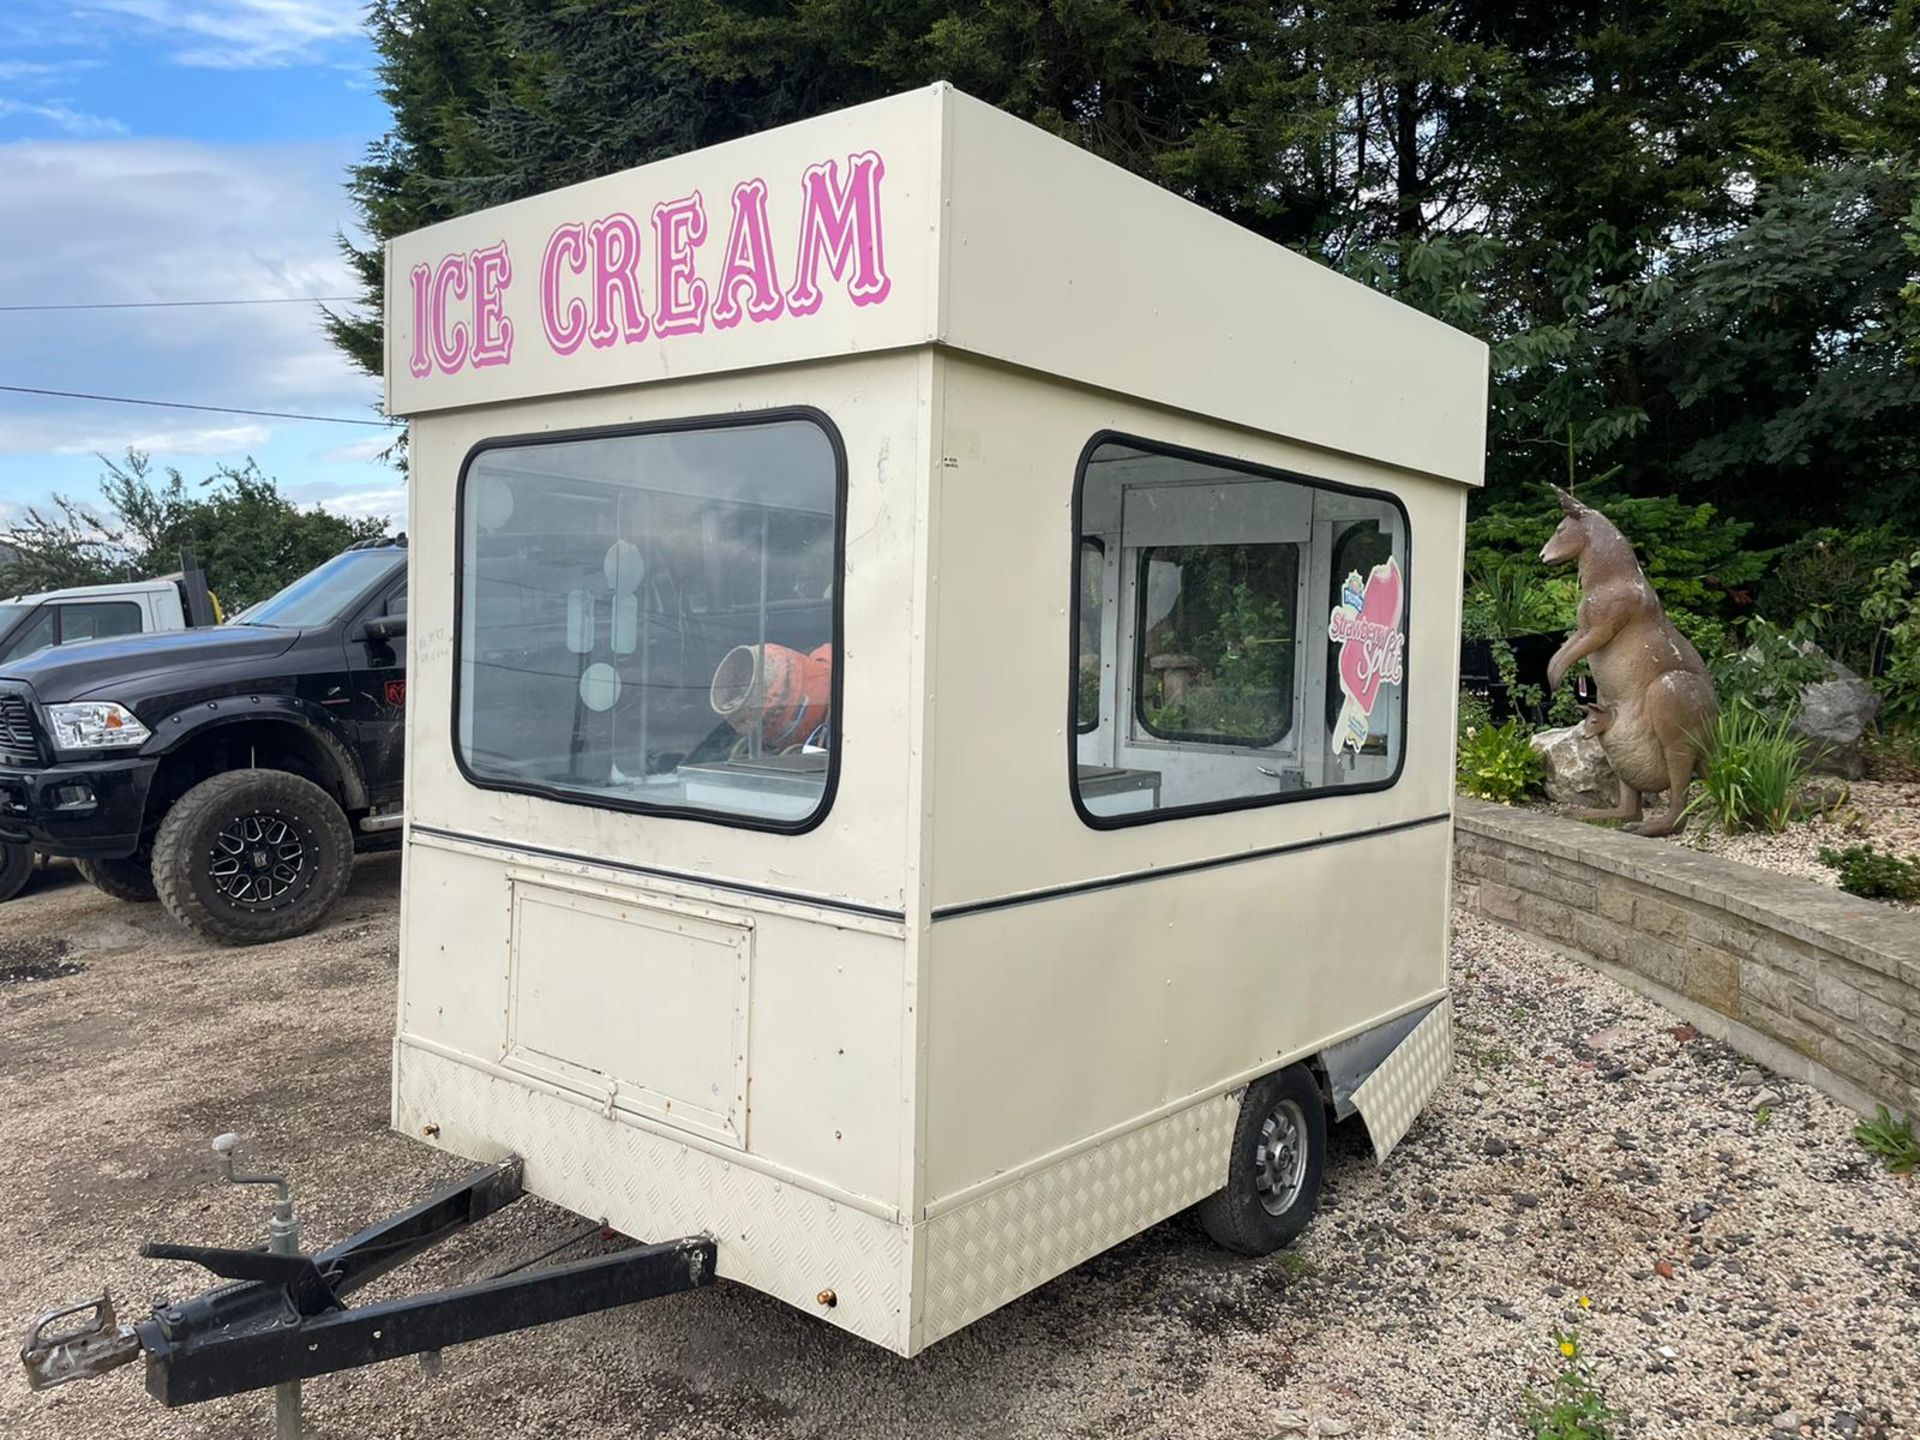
885, 1059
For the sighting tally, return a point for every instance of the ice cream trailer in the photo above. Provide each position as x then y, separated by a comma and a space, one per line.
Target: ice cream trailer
931, 704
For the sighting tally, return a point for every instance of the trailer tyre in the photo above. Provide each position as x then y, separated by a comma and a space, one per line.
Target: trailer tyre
252, 856
1273, 1174
129, 879
16, 868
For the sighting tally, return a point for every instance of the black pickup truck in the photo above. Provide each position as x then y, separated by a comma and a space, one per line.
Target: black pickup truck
230, 772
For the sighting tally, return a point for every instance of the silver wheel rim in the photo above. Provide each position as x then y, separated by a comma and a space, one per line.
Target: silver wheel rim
1280, 1157
257, 860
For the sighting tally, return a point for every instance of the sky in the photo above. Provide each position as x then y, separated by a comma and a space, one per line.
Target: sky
183, 150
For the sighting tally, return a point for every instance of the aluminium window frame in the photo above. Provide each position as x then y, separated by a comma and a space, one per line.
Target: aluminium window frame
734, 420
1252, 470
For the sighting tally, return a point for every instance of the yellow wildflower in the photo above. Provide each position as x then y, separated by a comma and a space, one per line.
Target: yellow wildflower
1566, 1348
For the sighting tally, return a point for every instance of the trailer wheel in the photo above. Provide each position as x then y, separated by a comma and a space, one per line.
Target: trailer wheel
16, 868
129, 879
1273, 1174
251, 856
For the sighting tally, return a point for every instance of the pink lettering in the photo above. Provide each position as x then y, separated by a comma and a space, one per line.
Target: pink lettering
492, 330
616, 258
420, 362
565, 321
841, 225
679, 228
749, 261
448, 343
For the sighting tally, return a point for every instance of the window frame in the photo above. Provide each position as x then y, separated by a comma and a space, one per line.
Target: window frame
735, 420
63, 607
1088, 727
1253, 470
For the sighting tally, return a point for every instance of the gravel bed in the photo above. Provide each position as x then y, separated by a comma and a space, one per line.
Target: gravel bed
1876, 812
1744, 1258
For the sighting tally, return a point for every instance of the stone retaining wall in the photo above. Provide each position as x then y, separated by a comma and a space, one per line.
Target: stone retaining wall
1810, 981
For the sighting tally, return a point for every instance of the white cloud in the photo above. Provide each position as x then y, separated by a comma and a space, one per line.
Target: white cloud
229, 440
35, 73
358, 452
242, 34
380, 502
63, 117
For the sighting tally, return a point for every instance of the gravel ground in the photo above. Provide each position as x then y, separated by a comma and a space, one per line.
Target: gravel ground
1877, 812
1738, 1267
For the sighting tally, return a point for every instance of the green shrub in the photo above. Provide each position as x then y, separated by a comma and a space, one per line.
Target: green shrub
1873, 873
1892, 1140
1497, 762
1509, 595
1753, 781
1893, 603
1825, 578
1473, 711
1771, 668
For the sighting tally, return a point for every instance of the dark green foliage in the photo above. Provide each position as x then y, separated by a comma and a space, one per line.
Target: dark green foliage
1770, 669
250, 539
1689, 231
1825, 578
1498, 762
1873, 873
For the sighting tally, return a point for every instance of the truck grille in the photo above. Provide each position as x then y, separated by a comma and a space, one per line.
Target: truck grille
18, 744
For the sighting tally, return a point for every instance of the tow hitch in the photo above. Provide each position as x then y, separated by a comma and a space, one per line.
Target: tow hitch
286, 1318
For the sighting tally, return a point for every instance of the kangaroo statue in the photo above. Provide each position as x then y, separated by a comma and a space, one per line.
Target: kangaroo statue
1657, 707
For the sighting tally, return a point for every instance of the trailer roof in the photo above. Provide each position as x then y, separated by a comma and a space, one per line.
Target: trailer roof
925, 219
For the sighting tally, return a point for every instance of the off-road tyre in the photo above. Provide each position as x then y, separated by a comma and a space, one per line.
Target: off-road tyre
252, 856
130, 879
1274, 1169
16, 869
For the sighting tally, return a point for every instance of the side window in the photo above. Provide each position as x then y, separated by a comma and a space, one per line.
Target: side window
97, 619
649, 620
1260, 629
37, 635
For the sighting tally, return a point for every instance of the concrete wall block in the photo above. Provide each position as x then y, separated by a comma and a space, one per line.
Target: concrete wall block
1770, 988
1833, 995
1553, 919
1613, 898
1500, 902
1657, 917
1722, 931
1713, 977
1789, 956
1576, 894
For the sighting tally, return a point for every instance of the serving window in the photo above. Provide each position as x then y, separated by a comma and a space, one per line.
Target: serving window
1240, 635
650, 620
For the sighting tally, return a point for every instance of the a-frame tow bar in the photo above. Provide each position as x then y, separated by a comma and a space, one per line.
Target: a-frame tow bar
286, 1318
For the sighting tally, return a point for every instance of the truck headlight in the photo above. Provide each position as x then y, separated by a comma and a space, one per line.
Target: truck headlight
95, 725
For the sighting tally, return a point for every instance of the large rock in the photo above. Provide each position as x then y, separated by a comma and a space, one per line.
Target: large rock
1835, 715
1577, 768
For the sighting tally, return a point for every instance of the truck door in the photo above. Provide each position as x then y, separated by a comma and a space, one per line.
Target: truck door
377, 675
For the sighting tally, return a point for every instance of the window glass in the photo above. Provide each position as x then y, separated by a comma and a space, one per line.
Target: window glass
1260, 628
648, 621
325, 593
1088, 679
1215, 642
97, 619
36, 634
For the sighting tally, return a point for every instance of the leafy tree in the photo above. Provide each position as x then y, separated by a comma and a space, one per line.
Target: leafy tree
250, 539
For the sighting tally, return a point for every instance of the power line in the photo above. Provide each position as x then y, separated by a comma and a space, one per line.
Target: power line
187, 304
183, 405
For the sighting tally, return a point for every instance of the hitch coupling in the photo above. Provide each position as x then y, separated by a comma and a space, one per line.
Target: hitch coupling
77, 1352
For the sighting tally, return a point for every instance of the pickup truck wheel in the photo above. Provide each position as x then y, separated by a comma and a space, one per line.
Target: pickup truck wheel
1273, 1172
251, 856
128, 879
16, 868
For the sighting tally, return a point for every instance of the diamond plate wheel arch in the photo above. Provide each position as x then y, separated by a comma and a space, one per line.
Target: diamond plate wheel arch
998, 1247
1392, 1097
